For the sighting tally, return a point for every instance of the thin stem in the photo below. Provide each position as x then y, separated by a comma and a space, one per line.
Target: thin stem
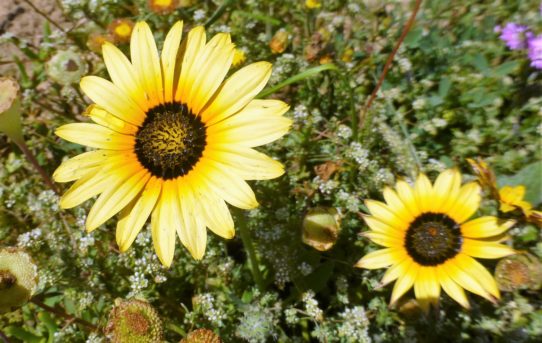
43, 14
389, 61
32, 159
59, 312
219, 11
249, 247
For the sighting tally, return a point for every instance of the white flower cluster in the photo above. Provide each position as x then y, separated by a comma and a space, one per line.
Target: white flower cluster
311, 306
326, 187
355, 325
344, 131
359, 154
30, 238
207, 302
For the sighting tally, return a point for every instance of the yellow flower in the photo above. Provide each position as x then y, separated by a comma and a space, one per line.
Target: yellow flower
175, 142
313, 4
163, 6
512, 198
430, 242
239, 57
121, 29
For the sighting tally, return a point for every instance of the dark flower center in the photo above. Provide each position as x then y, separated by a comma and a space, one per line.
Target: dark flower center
170, 141
432, 238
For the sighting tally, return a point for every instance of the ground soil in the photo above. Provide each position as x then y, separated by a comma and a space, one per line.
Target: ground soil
18, 17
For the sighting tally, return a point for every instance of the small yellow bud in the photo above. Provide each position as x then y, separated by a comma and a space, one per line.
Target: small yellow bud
279, 42
313, 4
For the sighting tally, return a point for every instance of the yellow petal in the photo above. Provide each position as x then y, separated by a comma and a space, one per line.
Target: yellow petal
423, 192
169, 59
478, 272
215, 59
123, 75
163, 235
406, 194
113, 99
192, 232
236, 92
446, 189
381, 227
396, 271
482, 227
397, 206
95, 136
215, 212
386, 240
464, 279
100, 116
467, 202
229, 187
485, 249
194, 44
147, 63
115, 198
404, 282
426, 287
245, 162
118, 167
80, 165
130, 224
452, 288
383, 213
381, 258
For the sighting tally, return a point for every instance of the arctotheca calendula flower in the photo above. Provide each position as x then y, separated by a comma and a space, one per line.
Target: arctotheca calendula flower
431, 243
174, 140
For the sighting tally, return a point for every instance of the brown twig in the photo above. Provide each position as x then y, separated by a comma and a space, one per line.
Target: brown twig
59, 312
43, 14
30, 157
389, 61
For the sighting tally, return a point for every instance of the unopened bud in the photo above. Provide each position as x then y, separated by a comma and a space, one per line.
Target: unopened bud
201, 336
66, 67
134, 321
321, 227
279, 42
520, 271
10, 109
18, 279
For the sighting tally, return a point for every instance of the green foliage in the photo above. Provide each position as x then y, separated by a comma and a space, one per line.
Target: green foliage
453, 92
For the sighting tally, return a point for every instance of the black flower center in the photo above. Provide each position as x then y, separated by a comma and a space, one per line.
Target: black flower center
170, 141
432, 238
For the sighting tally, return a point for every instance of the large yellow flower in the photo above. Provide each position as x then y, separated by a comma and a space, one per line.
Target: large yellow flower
174, 140
430, 243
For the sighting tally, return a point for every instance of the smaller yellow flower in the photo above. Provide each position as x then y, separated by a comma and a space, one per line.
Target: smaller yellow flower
313, 4
121, 29
512, 197
239, 57
163, 6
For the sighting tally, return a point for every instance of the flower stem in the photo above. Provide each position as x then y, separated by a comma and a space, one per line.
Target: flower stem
32, 159
59, 312
249, 247
406, 29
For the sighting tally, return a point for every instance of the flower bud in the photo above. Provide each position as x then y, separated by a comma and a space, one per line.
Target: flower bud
96, 40
134, 321
238, 57
313, 4
163, 6
321, 227
201, 336
10, 109
516, 272
66, 67
121, 29
18, 279
279, 42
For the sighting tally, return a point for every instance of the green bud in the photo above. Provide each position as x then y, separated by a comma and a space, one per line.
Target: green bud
516, 272
18, 279
134, 321
66, 67
321, 227
201, 336
10, 109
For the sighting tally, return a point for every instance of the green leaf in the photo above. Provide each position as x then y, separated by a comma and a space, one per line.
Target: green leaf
531, 177
50, 324
412, 39
296, 78
23, 335
506, 68
319, 278
444, 86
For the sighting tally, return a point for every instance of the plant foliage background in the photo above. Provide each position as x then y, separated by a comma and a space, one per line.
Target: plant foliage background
455, 91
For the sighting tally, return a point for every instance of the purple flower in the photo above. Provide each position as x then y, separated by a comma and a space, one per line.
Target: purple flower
534, 46
514, 36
